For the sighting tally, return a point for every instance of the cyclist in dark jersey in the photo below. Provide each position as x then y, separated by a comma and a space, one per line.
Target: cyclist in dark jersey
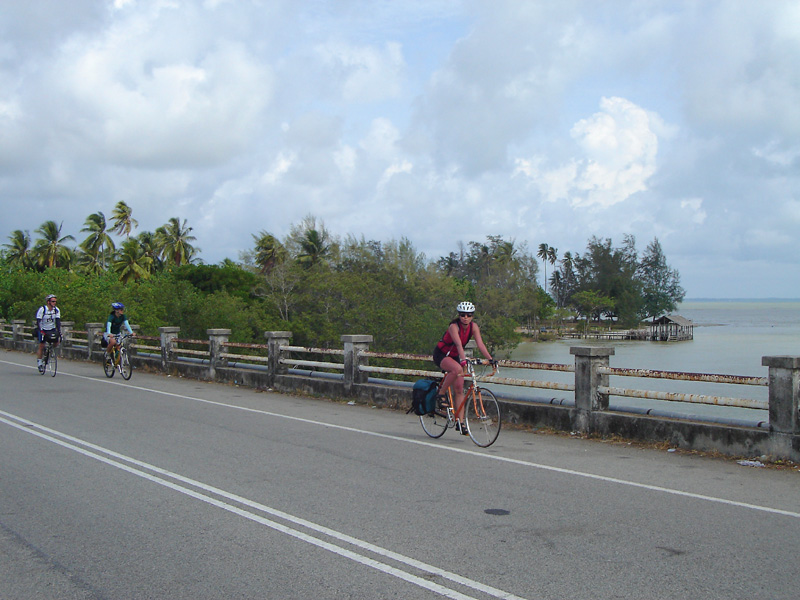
114, 324
450, 357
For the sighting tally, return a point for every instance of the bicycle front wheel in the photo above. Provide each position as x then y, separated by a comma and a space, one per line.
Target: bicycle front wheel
52, 363
483, 417
45, 360
125, 365
108, 365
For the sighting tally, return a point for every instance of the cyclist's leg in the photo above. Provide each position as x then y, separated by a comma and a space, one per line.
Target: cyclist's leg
108, 356
454, 380
112, 345
453, 376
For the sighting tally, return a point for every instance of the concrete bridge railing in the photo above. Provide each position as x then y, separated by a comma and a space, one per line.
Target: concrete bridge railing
347, 373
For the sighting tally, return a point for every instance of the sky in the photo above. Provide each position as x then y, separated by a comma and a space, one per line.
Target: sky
440, 121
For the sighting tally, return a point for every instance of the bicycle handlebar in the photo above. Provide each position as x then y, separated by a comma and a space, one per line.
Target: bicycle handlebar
482, 361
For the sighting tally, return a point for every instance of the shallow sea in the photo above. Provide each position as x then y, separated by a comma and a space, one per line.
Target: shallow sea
730, 337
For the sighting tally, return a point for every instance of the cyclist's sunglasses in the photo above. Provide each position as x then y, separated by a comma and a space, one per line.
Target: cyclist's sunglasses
53, 300
464, 314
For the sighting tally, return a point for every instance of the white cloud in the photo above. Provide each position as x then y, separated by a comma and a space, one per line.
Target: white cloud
381, 140
617, 151
773, 153
538, 121
620, 151
392, 170
279, 167
365, 74
694, 209
133, 107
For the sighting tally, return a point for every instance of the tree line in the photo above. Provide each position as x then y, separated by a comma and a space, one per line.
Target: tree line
137, 257
319, 285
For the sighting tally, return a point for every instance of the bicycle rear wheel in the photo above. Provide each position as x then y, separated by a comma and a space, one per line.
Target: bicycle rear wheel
108, 365
125, 365
483, 417
435, 423
52, 363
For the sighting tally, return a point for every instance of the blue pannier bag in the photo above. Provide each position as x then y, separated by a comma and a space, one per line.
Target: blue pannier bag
423, 397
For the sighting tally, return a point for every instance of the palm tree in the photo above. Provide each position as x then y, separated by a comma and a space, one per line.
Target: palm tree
566, 261
19, 250
50, 251
124, 223
173, 241
506, 253
93, 264
314, 247
557, 287
132, 262
269, 252
98, 242
552, 256
149, 243
544, 254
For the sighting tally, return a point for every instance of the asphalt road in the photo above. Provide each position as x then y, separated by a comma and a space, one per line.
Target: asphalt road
172, 488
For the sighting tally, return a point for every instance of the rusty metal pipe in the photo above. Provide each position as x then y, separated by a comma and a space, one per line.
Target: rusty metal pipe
692, 398
681, 376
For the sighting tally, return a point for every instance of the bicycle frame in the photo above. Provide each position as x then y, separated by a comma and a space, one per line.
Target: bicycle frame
481, 411
469, 393
118, 359
49, 358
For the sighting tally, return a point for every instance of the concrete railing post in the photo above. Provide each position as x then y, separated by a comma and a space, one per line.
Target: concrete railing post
354, 345
217, 338
784, 393
66, 333
17, 331
276, 339
132, 344
469, 349
94, 332
168, 334
587, 380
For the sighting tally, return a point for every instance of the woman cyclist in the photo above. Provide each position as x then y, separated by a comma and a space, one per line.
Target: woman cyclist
116, 320
450, 357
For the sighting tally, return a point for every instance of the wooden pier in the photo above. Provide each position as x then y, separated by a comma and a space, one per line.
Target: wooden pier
669, 328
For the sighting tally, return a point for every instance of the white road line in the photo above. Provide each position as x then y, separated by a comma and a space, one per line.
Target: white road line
525, 463
48, 434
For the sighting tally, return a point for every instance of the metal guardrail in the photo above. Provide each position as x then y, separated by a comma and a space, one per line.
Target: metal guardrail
679, 397
243, 359
614, 391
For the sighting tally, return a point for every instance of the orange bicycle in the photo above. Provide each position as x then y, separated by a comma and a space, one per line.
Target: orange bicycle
482, 412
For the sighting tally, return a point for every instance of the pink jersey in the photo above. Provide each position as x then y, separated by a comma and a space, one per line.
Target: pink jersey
446, 344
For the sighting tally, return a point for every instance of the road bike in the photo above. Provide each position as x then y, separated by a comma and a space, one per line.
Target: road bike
482, 411
119, 359
49, 359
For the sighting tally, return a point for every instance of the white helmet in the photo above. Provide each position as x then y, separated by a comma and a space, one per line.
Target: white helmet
467, 307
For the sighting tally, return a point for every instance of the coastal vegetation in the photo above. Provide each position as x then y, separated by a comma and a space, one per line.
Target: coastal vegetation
320, 286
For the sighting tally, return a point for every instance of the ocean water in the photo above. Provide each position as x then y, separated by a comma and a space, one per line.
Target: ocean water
730, 338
